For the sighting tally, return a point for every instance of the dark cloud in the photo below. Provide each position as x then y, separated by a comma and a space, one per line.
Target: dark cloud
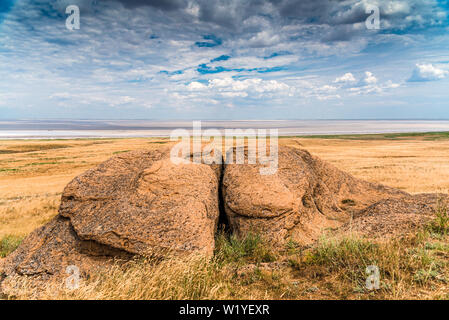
318, 11
211, 41
339, 14
260, 23
168, 5
231, 13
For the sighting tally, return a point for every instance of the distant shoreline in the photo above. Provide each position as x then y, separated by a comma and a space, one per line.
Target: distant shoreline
425, 136
91, 129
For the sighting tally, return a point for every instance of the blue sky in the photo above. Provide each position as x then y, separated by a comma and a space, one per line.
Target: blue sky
224, 59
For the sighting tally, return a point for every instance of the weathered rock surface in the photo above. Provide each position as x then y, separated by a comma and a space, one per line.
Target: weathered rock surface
305, 196
392, 217
136, 203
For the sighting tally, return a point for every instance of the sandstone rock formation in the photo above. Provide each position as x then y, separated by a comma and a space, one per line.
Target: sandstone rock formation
304, 197
141, 203
131, 204
136, 203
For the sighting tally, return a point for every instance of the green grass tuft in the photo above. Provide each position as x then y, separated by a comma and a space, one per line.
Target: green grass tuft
427, 136
252, 248
344, 253
8, 244
440, 224
119, 152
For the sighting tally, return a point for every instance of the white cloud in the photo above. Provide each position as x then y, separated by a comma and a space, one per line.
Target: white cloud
234, 94
326, 92
365, 85
231, 88
427, 72
221, 83
369, 78
396, 7
193, 86
391, 85
264, 39
254, 84
347, 77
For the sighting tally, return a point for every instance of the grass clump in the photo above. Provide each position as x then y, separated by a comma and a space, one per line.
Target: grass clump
345, 258
8, 244
440, 224
342, 253
8, 170
404, 264
428, 136
193, 277
250, 249
40, 163
120, 152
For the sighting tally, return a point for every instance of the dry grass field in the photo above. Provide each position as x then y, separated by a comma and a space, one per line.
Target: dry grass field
33, 174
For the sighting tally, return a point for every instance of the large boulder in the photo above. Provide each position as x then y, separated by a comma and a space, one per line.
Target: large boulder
136, 203
302, 198
139, 203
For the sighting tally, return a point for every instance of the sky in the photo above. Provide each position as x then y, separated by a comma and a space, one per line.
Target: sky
224, 59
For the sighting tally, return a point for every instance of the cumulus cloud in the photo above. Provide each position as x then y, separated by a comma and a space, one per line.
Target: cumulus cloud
368, 83
264, 39
427, 72
228, 87
347, 77
194, 86
369, 78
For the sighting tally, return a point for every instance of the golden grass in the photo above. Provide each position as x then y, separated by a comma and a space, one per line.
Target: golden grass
414, 267
415, 166
33, 175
